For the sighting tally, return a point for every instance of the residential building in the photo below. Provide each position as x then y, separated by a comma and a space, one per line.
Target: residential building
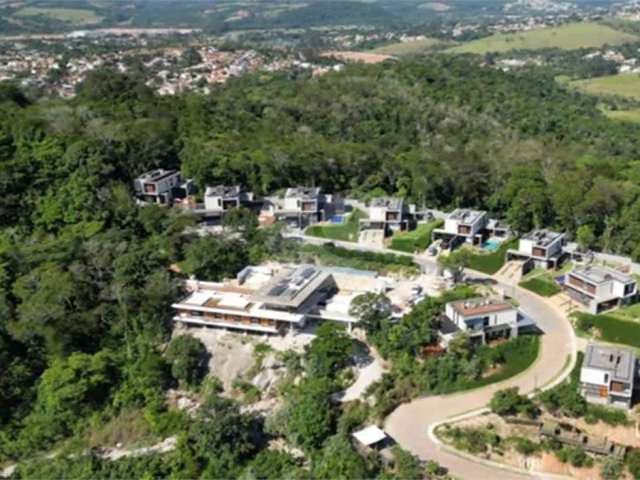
277, 302
464, 225
607, 376
222, 198
482, 318
542, 248
600, 288
388, 214
162, 186
283, 298
302, 206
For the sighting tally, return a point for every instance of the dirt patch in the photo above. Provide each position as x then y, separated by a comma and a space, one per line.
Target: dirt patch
348, 56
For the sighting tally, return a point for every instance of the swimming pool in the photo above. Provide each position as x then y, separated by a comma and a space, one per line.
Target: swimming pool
492, 244
337, 219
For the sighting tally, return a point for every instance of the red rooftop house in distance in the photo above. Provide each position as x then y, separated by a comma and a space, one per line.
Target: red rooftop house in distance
482, 318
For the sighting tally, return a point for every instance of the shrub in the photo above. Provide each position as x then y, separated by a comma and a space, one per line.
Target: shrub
188, 358
610, 416
525, 446
576, 456
611, 469
510, 402
633, 463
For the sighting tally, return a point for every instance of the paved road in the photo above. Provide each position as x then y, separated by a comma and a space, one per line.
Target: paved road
412, 423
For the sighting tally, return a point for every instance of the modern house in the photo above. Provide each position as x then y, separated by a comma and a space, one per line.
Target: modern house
162, 186
277, 300
464, 225
302, 206
600, 288
259, 300
388, 214
542, 248
222, 198
607, 375
482, 318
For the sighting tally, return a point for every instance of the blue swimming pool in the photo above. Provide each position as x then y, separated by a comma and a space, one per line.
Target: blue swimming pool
492, 244
337, 219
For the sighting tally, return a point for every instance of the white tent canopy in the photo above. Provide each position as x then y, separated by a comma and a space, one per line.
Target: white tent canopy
370, 435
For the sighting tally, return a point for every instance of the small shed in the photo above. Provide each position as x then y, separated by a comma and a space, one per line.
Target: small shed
371, 437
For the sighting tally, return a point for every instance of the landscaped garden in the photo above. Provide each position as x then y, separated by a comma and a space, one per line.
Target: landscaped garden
608, 328
490, 263
544, 285
415, 240
347, 231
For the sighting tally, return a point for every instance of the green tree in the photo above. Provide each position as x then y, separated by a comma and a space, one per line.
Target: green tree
329, 352
510, 402
585, 237
309, 413
241, 220
371, 309
338, 460
406, 465
213, 258
455, 263
188, 358
611, 469
633, 463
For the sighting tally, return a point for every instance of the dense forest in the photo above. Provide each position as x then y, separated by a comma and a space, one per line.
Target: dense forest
85, 283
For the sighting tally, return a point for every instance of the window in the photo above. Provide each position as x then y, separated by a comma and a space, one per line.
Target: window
606, 378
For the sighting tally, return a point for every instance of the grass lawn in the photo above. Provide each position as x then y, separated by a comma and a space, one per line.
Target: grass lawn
568, 37
630, 313
519, 354
609, 328
407, 48
490, 263
632, 115
623, 85
542, 285
418, 239
72, 15
347, 231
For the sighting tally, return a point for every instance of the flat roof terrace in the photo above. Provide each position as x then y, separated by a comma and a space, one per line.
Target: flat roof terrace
542, 238
291, 288
466, 216
599, 275
619, 362
481, 306
390, 203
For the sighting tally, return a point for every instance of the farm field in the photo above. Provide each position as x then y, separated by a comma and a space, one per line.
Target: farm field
407, 48
632, 115
568, 37
623, 85
71, 15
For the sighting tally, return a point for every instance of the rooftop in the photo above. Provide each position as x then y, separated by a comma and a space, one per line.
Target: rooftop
619, 362
369, 435
156, 175
303, 192
390, 203
223, 191
598, 275
291, 287
480, 306
542, 238
466, 216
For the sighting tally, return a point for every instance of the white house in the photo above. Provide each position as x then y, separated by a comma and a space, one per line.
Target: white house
468, 225
482, 318
600, 288
607, 375
162, 186
543, 248
222, 198
388, 214
302, 206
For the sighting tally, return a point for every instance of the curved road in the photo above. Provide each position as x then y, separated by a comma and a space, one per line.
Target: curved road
411, 424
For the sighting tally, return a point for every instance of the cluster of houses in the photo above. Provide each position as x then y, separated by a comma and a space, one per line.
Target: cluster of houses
596, 288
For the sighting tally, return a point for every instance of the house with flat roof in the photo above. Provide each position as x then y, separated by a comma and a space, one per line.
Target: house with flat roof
464, 225
162, 187
607, 376
600, 288
543, 248
482, 318
222, 198
302, 206
388, 214
277, 300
